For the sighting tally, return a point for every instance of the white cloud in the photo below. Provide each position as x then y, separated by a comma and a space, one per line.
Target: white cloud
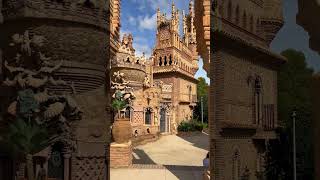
153, 4
132, 20
142, 48
147, 22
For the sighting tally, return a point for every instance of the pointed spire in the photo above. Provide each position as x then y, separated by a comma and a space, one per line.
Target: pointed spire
191, 8
173, 9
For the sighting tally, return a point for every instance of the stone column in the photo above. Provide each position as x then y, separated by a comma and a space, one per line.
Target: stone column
66, 165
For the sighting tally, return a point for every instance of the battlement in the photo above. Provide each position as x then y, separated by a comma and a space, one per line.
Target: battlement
256, 21
173, 49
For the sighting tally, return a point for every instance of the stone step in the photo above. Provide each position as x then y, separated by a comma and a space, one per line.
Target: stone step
141, 140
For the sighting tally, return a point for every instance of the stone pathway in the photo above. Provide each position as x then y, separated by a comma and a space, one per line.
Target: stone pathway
138, 172
170, 158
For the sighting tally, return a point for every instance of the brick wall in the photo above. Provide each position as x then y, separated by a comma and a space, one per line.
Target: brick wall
120, 155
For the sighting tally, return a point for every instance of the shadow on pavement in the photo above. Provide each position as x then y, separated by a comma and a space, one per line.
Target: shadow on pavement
141, 157
186, 172
198, 139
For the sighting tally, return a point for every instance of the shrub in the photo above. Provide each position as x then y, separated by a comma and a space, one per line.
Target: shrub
192, 125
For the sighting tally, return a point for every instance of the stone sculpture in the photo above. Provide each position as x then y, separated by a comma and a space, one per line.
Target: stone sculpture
147, 82
32, 80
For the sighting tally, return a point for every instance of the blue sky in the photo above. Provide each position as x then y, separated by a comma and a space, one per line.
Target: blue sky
139, 18
294, 36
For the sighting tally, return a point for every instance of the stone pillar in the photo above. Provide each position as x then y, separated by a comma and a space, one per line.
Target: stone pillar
120, 154
66, 162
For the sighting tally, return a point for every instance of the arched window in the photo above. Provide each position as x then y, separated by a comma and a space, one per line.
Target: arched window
165, 60
230, 10
237, 15
148, 116
128, 112
258, 99
170, 60
160, 61
128, 59
244, 20
236, 165
258, 27
251, 23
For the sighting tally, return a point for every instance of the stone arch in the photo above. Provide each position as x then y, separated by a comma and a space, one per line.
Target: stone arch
148, 113
128, 59
258, 99
170, 60
56, 163
160, 61
128, 112
237, 15
229, 10
236, 164
165, 61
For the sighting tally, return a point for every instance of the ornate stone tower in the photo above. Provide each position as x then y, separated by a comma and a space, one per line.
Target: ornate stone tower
242, 123
78, 32
176, 61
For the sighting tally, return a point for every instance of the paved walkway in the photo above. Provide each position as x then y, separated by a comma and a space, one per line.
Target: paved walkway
170, 158
136, 172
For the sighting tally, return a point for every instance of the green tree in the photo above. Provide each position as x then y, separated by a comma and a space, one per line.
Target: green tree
294, 87
25, 139
202, 91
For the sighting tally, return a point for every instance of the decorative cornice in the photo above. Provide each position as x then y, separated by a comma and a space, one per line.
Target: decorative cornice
67, 11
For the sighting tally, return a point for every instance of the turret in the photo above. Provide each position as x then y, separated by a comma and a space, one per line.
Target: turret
185, 28
272, 20
158, 17
175, 18
192, 27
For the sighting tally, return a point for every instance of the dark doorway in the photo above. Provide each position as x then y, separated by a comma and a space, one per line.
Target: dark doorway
55, 163
163, 120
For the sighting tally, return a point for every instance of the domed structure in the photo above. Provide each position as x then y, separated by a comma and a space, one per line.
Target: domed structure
128, 63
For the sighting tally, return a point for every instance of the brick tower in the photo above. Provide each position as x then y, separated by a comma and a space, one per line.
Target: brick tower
176, 61
78, 32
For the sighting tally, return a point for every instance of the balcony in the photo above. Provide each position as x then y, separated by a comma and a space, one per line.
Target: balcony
268, 121
188, 98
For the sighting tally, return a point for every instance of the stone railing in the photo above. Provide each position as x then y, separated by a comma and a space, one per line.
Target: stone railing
268, 121
188, 98
171, 68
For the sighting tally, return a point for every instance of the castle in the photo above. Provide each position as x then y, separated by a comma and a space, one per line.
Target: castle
164, 84
242, 123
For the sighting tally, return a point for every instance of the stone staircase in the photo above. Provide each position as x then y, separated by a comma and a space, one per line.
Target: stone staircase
141, 140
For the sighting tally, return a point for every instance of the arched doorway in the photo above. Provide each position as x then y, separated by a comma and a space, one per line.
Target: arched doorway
56, 163
163, 122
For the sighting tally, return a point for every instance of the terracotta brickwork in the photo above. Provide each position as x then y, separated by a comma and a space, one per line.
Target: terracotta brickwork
164, 85
80, 39
244, 96
120, 155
